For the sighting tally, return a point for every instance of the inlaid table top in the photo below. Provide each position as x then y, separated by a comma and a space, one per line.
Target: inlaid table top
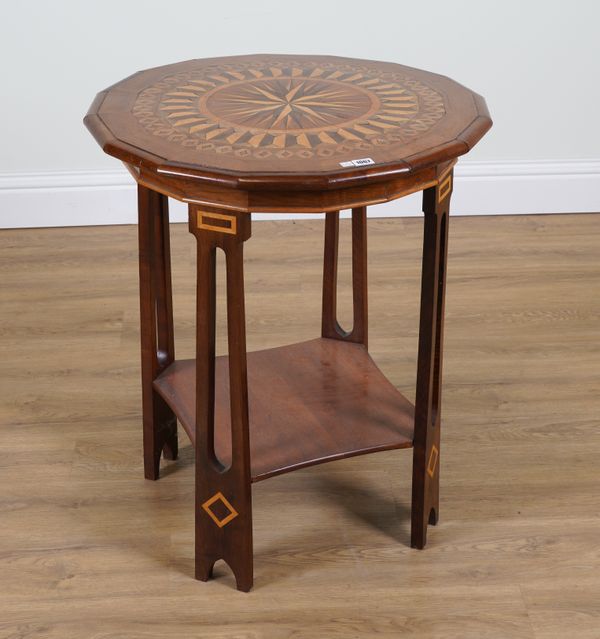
318, 121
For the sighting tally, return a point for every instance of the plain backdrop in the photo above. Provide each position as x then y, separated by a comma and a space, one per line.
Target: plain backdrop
537, 62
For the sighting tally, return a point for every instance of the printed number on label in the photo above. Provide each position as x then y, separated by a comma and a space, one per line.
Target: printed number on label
360, 162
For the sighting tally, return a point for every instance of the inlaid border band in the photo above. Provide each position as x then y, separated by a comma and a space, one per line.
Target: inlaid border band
444, 188
230, 220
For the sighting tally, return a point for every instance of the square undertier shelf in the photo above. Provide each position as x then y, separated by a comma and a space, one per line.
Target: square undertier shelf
309, 403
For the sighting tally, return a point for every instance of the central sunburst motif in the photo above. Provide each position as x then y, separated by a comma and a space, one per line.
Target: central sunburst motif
288, 103
288, 109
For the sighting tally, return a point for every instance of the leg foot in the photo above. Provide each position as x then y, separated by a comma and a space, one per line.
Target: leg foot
204, 570
433, 517
171, 445
244, 582
418, 536
160, 437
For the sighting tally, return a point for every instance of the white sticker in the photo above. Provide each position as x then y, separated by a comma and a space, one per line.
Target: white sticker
360, 162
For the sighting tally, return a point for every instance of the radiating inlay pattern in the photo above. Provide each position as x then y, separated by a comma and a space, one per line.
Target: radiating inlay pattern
286, 109
287, 104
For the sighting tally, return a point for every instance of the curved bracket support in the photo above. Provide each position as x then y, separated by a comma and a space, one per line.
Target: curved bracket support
330, 326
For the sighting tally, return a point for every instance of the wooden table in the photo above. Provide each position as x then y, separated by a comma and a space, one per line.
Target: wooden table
276, 133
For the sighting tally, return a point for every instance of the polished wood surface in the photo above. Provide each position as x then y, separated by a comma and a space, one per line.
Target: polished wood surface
311, 402
215, 481
331, 398
330, 327
240, 131
244, 120
231, 136
88, 548
274, 199
157, 337
426, 453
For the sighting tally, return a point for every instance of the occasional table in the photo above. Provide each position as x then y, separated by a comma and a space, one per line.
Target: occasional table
283, 134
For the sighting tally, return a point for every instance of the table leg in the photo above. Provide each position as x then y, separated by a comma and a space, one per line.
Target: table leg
426, 454
329, 324
156, 323
223, 494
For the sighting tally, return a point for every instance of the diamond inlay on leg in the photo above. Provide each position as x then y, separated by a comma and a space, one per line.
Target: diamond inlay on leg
220, 499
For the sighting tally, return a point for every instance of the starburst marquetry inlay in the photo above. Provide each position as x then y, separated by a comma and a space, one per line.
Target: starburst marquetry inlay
288, 109
289, 104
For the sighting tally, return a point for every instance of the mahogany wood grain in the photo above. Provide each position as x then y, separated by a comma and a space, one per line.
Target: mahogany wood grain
302, 134
264, 123
381, 188
156, 321
309, 403
226, 534
330, 326
426, 454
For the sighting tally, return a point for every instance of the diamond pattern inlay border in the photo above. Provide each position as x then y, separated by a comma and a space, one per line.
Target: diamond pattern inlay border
285, 110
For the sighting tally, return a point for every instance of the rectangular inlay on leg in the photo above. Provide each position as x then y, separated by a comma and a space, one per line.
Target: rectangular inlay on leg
217, 222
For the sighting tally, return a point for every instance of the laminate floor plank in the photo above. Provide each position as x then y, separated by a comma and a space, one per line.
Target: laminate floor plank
88, 548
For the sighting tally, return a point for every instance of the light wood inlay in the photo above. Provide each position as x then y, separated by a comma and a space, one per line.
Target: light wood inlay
233, 121
219, 496
229, 227
433, 459
445, 187
295, 98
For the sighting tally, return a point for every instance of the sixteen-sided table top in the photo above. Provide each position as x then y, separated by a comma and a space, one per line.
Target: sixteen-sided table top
287, 133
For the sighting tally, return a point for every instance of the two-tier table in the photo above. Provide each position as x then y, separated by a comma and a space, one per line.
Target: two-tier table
291, 134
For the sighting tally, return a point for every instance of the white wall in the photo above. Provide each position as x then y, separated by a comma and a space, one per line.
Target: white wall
537, 62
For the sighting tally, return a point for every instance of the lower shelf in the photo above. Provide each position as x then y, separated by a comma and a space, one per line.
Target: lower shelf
309, 403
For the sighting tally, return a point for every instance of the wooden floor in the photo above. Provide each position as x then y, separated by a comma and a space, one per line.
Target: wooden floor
90, 549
